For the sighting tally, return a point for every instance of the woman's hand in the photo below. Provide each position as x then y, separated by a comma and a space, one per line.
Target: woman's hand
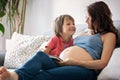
68, 62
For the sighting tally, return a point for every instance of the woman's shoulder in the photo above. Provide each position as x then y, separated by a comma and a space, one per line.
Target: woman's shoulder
109, 36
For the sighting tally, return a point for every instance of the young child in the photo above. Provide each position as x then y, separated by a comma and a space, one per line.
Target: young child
64, 29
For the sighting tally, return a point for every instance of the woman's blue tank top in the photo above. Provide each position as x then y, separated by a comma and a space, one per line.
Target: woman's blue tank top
92, 44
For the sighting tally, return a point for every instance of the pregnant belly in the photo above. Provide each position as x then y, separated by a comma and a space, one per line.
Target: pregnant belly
76, 53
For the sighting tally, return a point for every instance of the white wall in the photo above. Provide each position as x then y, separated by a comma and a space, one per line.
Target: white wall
40, 14
77, 8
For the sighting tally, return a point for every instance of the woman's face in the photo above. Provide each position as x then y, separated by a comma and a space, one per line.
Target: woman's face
88, 20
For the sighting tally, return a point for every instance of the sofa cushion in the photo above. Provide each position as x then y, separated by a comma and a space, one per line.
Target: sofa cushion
111, 71
20, 48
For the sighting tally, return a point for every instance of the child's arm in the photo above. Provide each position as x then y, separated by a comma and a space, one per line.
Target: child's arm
44, 48
47, 50
49, 45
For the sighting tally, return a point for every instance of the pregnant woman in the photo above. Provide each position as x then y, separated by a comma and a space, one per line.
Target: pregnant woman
90, 53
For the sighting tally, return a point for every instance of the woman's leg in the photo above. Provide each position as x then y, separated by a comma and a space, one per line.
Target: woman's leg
67, 73
43, 68
73, 73
40, 61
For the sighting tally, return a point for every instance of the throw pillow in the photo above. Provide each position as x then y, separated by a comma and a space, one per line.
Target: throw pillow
111, 71
25, 46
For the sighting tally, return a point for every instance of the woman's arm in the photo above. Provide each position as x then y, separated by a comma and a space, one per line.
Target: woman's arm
109, 42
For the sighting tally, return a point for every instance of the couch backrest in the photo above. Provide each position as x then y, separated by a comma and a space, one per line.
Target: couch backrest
117, 25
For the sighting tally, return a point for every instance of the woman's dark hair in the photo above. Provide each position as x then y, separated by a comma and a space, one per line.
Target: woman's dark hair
58, 24
101, 18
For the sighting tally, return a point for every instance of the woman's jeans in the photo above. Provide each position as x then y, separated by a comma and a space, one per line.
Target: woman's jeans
42, 67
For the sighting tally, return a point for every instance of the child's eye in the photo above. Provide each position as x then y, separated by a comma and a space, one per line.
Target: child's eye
68, 23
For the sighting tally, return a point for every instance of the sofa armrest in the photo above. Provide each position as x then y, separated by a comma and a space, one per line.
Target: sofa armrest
111, 71
2, 57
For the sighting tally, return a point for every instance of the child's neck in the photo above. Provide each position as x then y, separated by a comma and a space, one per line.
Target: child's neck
67, 38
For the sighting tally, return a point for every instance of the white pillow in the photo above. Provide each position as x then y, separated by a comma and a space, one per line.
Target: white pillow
111, 71
25, 46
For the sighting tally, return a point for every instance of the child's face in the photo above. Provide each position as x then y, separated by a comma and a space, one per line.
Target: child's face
68, 27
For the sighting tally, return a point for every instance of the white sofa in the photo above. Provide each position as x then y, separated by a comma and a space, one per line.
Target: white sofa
21, 47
